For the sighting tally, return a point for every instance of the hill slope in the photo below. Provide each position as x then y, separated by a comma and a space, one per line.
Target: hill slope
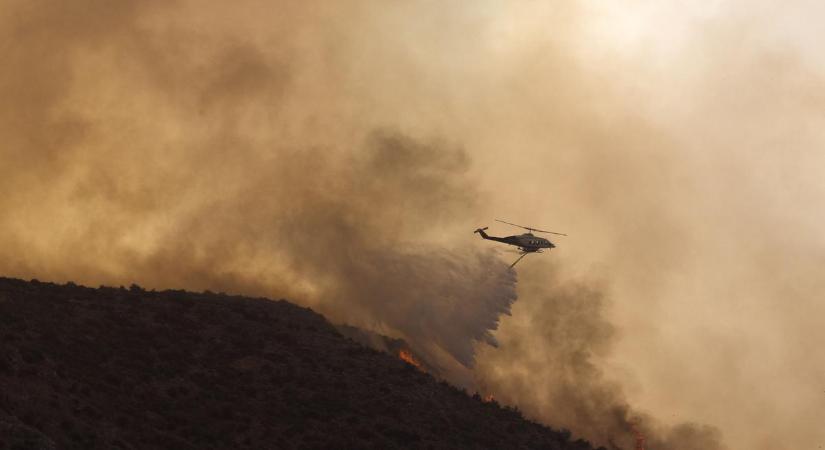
129, 369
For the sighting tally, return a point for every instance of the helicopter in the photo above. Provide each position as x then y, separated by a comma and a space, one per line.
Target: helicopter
527, 242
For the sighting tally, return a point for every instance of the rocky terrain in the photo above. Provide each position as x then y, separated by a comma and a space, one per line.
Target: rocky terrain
118, 368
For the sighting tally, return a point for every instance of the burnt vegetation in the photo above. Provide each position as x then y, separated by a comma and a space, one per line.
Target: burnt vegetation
126, 368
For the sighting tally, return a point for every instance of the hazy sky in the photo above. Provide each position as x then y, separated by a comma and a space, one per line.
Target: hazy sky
341, 153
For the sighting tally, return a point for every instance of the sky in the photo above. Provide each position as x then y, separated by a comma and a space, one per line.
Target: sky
340, 154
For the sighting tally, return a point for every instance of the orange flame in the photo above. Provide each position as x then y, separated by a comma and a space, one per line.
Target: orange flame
408, 357
488, 398
640, 438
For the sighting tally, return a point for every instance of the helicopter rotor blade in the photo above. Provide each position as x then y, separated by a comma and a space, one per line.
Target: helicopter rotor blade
531, 229
549, 232
508, 223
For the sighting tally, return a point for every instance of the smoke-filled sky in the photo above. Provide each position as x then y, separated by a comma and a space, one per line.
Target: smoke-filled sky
341, 153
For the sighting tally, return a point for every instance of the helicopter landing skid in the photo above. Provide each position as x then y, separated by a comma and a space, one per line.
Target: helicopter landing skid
523, 254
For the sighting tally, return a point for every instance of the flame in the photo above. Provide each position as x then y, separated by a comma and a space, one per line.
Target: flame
488, 398
640, 438
408, 357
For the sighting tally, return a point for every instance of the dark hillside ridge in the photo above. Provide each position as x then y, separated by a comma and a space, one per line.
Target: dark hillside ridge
115, 368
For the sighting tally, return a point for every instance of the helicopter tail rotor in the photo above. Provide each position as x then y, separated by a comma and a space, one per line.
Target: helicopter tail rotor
482, 233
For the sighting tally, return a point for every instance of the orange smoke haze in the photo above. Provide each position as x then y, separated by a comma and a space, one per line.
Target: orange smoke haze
340, 154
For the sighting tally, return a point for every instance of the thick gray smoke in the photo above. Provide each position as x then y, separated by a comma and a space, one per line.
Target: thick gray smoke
339, 154
138, 151
356, 230
556, 352
340, 226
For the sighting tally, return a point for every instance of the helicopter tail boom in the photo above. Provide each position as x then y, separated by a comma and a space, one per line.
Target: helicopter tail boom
484, 235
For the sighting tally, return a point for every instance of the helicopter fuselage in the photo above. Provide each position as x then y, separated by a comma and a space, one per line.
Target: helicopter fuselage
527, 242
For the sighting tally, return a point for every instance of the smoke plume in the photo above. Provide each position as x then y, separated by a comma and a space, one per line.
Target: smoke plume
344, 229
551, 367
340, 154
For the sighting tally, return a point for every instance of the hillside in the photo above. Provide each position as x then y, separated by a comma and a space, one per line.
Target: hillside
119, 368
